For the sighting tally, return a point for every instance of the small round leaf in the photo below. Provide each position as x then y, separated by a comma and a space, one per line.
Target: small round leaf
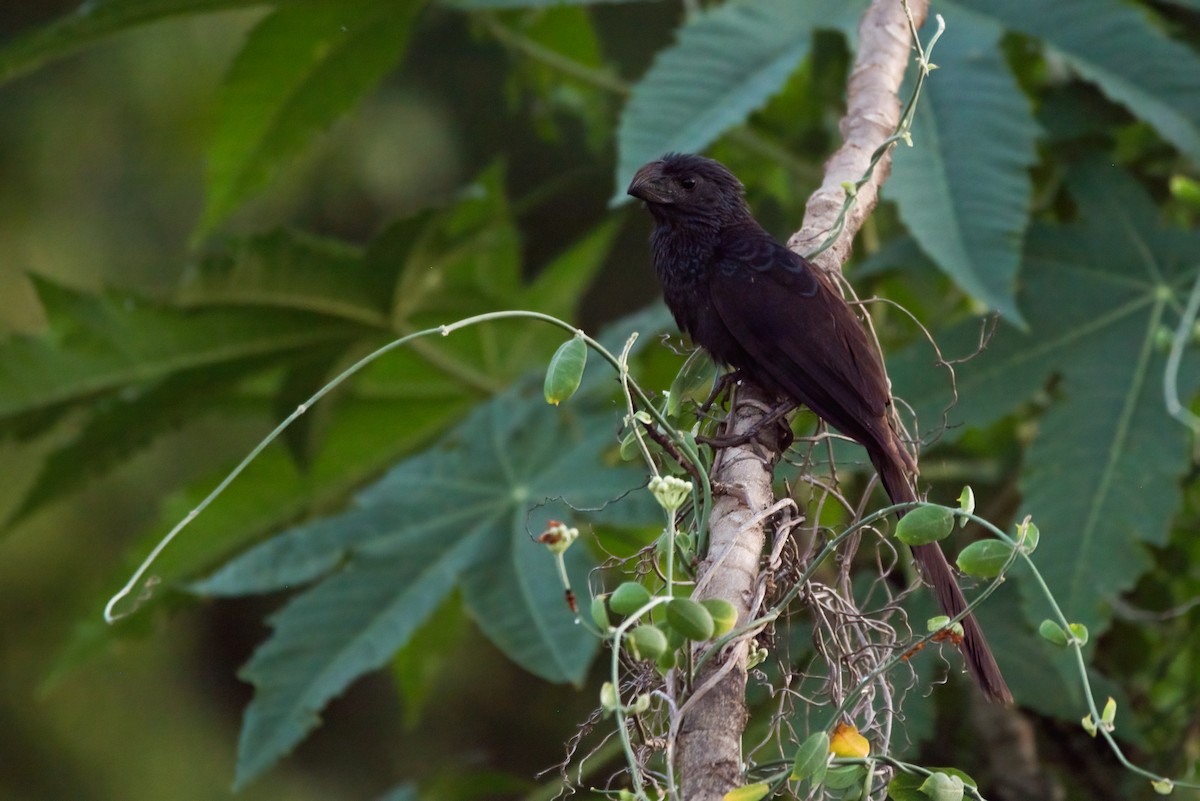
985, 558
1053, 632
943, 787
966, 502
924, 525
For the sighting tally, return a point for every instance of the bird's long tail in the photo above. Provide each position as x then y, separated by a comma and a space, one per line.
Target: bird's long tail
937, 572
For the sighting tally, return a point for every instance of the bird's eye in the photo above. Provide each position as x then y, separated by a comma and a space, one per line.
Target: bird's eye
688, 183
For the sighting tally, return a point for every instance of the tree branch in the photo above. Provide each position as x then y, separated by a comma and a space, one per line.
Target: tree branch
710, 731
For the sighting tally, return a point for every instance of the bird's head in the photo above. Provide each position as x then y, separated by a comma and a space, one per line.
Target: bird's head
684, 186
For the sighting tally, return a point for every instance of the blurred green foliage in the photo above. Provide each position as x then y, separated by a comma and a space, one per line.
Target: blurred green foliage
208, 208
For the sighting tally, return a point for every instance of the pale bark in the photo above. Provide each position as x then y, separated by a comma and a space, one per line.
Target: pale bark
709, 734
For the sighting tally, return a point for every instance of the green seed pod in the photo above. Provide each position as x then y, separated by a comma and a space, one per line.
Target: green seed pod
628, 598
675, 640
724, 615
565, 370
690, 619
646, 642
667, 660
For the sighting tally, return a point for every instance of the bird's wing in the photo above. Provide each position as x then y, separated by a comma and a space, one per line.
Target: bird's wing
800, 335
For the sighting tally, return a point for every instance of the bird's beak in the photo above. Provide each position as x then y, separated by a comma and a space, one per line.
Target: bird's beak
648, 184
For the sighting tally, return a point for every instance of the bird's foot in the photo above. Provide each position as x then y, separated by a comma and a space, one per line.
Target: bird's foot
720, 387
775, 416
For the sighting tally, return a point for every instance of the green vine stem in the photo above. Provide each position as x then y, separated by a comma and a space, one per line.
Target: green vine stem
111, 611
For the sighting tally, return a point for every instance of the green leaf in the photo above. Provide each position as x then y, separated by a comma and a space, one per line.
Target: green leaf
1028, 535
294, 271
1109, 713
92, 21
1163, 786
1116, 46
558, 288
1185, 190
458, 515
556, 99
812, 759
727, 62
350, 623
910, 786
467, 261
468, 258
843, 776
1101, 475
274, 491
97, 344
968, 206
906, 787
302, 67
925, 524
1052, 632
694, 381
124, 423
943, 787
966, 503
565, 371
418, 666
749, 792
985, 558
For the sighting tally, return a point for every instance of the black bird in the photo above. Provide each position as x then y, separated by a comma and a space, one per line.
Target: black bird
755, 305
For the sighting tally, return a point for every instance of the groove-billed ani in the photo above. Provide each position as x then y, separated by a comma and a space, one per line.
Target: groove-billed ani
755, 305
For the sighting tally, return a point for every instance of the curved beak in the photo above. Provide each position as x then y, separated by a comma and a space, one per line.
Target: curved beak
649, 185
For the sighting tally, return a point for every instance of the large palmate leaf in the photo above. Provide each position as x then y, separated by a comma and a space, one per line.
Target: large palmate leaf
727, 62
94, 20
463, 514
964, 189
1117, 47
97, 344
301, 68
1100, 478
294, 271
